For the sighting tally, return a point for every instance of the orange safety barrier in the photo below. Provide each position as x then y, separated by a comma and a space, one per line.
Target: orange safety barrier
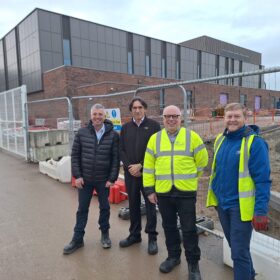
118, 192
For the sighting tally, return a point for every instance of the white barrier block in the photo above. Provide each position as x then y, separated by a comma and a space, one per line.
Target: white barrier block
59, 170
265, 255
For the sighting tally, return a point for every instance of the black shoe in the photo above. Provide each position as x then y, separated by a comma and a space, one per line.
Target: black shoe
194, 272
72, 247
105, 240
130, 240
152, 247
169, 264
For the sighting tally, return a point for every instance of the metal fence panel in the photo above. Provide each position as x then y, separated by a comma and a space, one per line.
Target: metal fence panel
12, 121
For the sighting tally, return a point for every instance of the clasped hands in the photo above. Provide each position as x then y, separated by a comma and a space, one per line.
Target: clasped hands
135, 169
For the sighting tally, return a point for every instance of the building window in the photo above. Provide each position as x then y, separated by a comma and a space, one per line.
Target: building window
66, 40
226, 68
273, 102
199, 59
232, 70
178, 64
163, 60
163, 68
217, 69
147, 65
148, 57
162, 99
129, 63
240, 71
223, 99
243, 99
130, 69
66, 52
257, 103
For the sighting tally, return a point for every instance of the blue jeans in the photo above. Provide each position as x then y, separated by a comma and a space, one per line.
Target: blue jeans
169, 207
85, 196
238, 235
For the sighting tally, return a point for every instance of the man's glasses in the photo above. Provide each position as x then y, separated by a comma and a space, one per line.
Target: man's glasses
169, 117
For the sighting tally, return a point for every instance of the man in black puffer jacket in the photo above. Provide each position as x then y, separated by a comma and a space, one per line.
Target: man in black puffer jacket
95, 165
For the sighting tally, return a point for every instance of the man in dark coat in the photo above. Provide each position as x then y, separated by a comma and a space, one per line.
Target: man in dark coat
95, 165
133, 141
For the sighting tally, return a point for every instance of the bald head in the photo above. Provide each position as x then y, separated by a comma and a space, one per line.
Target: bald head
171, 110
172, 118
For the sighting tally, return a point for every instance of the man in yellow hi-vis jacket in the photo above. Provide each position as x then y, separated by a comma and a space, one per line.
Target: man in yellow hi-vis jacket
174, 159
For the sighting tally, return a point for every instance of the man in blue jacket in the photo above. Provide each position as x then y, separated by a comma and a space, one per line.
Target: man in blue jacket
240, 186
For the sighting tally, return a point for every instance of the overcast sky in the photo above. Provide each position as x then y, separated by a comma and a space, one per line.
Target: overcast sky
252, 24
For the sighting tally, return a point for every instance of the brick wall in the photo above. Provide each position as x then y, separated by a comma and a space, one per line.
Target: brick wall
74, 81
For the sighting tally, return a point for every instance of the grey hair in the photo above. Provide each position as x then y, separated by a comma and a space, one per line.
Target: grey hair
97, 106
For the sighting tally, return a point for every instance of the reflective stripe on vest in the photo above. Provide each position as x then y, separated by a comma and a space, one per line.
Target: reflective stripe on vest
246, 187
172, 153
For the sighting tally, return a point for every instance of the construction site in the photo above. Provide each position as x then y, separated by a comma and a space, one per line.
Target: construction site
38, 211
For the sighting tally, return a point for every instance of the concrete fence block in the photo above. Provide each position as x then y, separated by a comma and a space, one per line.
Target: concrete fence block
48, 152
42, 138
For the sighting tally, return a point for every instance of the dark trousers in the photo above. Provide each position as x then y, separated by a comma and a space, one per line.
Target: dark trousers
169, 207
85, 196
134, 187
238, 235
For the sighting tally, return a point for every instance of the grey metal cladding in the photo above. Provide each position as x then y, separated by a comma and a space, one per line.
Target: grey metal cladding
94, 63
56, 23
77, 60
117, 54
136, 42
117, 67
142, 56
85, 48
101, 34
46, 58
84, 29
102, 64
93, 48
116, 38
136, 57
123, 68
76, 47
109, 53
56, 42
93, 32
155, 46
142, 43
57, 59
44, 20
169, 49
215, 46
108, 35
85, 62
75, 27
124, 56
102, 51
123, 39
45, 41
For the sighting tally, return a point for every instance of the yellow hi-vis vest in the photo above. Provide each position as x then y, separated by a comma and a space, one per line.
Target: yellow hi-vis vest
179, 163
246, 186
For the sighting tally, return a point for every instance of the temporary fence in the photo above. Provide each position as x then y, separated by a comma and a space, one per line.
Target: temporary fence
72, 113
13, 137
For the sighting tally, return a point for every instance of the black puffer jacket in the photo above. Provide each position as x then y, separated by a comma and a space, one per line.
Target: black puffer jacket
95, 161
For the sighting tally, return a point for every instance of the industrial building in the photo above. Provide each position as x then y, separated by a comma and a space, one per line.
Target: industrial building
57, 55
